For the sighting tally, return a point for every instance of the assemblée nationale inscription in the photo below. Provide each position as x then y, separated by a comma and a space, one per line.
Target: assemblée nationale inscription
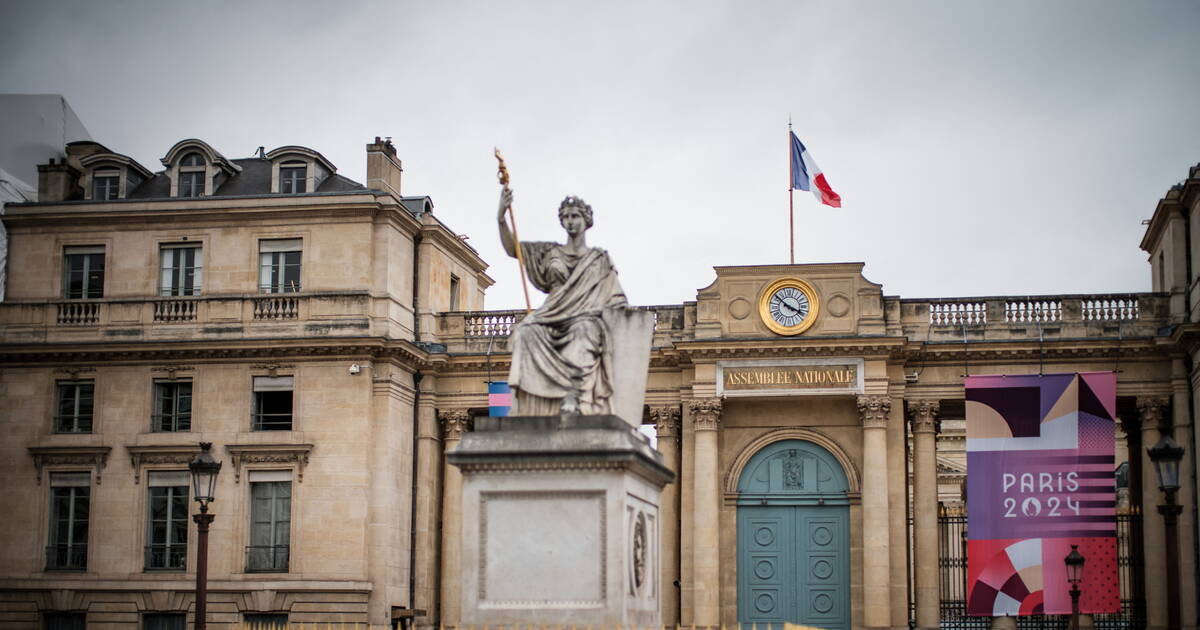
792, 377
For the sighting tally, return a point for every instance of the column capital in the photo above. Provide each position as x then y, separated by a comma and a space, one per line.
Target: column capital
706, 413
454, 422
1151, 410
923, 413
874, 411
666, 420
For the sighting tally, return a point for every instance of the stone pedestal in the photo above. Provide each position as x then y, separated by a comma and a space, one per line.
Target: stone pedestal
560, 522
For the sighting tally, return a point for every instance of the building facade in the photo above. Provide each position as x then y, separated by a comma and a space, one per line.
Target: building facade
329, 338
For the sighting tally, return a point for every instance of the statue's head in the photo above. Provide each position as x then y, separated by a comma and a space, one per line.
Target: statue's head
578, 204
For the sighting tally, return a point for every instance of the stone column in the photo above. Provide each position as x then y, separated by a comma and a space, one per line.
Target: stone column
666, 422
925, 510
1152, 409
706, 540
876, 608
428, 504
454, 423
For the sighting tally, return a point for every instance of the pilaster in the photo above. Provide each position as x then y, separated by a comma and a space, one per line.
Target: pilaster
667, 426
876, 609
1152, 409
923, 422
706, 542
454, 423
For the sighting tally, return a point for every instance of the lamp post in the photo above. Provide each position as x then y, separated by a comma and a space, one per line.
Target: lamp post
204, 471
1166, 455
1074, 562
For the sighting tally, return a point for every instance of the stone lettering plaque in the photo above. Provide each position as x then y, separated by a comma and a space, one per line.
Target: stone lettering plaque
790, 378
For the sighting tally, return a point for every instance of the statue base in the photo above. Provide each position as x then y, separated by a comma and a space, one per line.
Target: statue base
560, 522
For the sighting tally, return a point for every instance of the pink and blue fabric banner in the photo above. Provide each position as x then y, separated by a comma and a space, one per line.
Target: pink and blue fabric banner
1040, 478
499, 399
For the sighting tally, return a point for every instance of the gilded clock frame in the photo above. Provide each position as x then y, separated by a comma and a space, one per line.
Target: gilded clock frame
764, 306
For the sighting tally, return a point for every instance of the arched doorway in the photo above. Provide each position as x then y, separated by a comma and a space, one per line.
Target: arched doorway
793, 537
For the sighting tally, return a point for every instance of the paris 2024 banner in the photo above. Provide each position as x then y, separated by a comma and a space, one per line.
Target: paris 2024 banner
1040, 478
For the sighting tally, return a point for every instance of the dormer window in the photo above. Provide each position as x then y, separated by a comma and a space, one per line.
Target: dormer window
191, 175
292, 176
106, 185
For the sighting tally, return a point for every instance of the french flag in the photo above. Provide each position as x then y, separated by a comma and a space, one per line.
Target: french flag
806, 175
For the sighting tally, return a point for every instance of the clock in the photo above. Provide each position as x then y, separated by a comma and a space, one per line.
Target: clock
788, 306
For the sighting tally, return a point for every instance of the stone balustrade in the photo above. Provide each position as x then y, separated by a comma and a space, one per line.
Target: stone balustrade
1000, 318
200, 317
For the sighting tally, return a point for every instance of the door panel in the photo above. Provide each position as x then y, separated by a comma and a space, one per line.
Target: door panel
793, 565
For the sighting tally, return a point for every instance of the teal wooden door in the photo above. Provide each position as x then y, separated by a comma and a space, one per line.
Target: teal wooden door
793, 538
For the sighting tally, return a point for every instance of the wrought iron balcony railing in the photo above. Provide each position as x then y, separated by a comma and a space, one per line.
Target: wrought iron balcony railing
66, 557
267, 559
166, 556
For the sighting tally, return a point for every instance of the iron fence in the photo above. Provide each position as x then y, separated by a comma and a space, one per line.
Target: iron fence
952, 564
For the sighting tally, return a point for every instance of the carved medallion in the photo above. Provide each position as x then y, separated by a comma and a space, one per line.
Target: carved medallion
639, 552
793, 471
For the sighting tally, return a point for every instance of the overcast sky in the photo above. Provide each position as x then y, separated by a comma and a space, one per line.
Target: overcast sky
980, 148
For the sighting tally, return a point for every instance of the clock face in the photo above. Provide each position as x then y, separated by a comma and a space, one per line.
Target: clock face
788, 306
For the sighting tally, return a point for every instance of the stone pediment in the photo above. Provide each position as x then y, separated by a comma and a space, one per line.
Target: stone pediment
737, 304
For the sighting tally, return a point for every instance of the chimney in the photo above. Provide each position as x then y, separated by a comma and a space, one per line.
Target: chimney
383, 169
58, 182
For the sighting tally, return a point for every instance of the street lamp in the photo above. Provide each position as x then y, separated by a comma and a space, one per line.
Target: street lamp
1074, 562
204, 471
1166, 455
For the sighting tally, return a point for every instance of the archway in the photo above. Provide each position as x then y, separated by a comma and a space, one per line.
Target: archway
793, 537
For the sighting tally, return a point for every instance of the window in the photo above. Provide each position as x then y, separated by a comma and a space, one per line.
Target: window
181, 270
164, 621
191, 175
83, 272
65, 621
292, 177
279, 265
69, 495
272, 404
172, 406
106, 185
453, 292
266, 621
75, 400
270, 520
167, 520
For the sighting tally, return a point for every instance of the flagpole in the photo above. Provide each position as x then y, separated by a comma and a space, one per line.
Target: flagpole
791, 201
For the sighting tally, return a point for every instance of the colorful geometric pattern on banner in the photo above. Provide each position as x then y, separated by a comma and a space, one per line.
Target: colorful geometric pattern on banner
1040, 478
499, 399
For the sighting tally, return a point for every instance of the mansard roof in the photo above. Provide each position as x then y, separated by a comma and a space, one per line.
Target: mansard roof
253, 177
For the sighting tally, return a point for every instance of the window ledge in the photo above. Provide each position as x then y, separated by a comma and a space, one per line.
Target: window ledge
269, 454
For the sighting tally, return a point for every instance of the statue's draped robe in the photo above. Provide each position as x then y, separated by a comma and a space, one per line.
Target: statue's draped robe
565, 343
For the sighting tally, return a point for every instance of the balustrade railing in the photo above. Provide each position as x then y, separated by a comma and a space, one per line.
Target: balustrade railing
66, 557
175, 310
78, 313
957, 313
490, 323
276, 308
1110, 308
1033, 310
267, 559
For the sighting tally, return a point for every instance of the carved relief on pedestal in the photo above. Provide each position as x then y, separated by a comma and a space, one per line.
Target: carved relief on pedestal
666, 421
706, 413
454, 423
1151, 409
874, 411
923, 415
